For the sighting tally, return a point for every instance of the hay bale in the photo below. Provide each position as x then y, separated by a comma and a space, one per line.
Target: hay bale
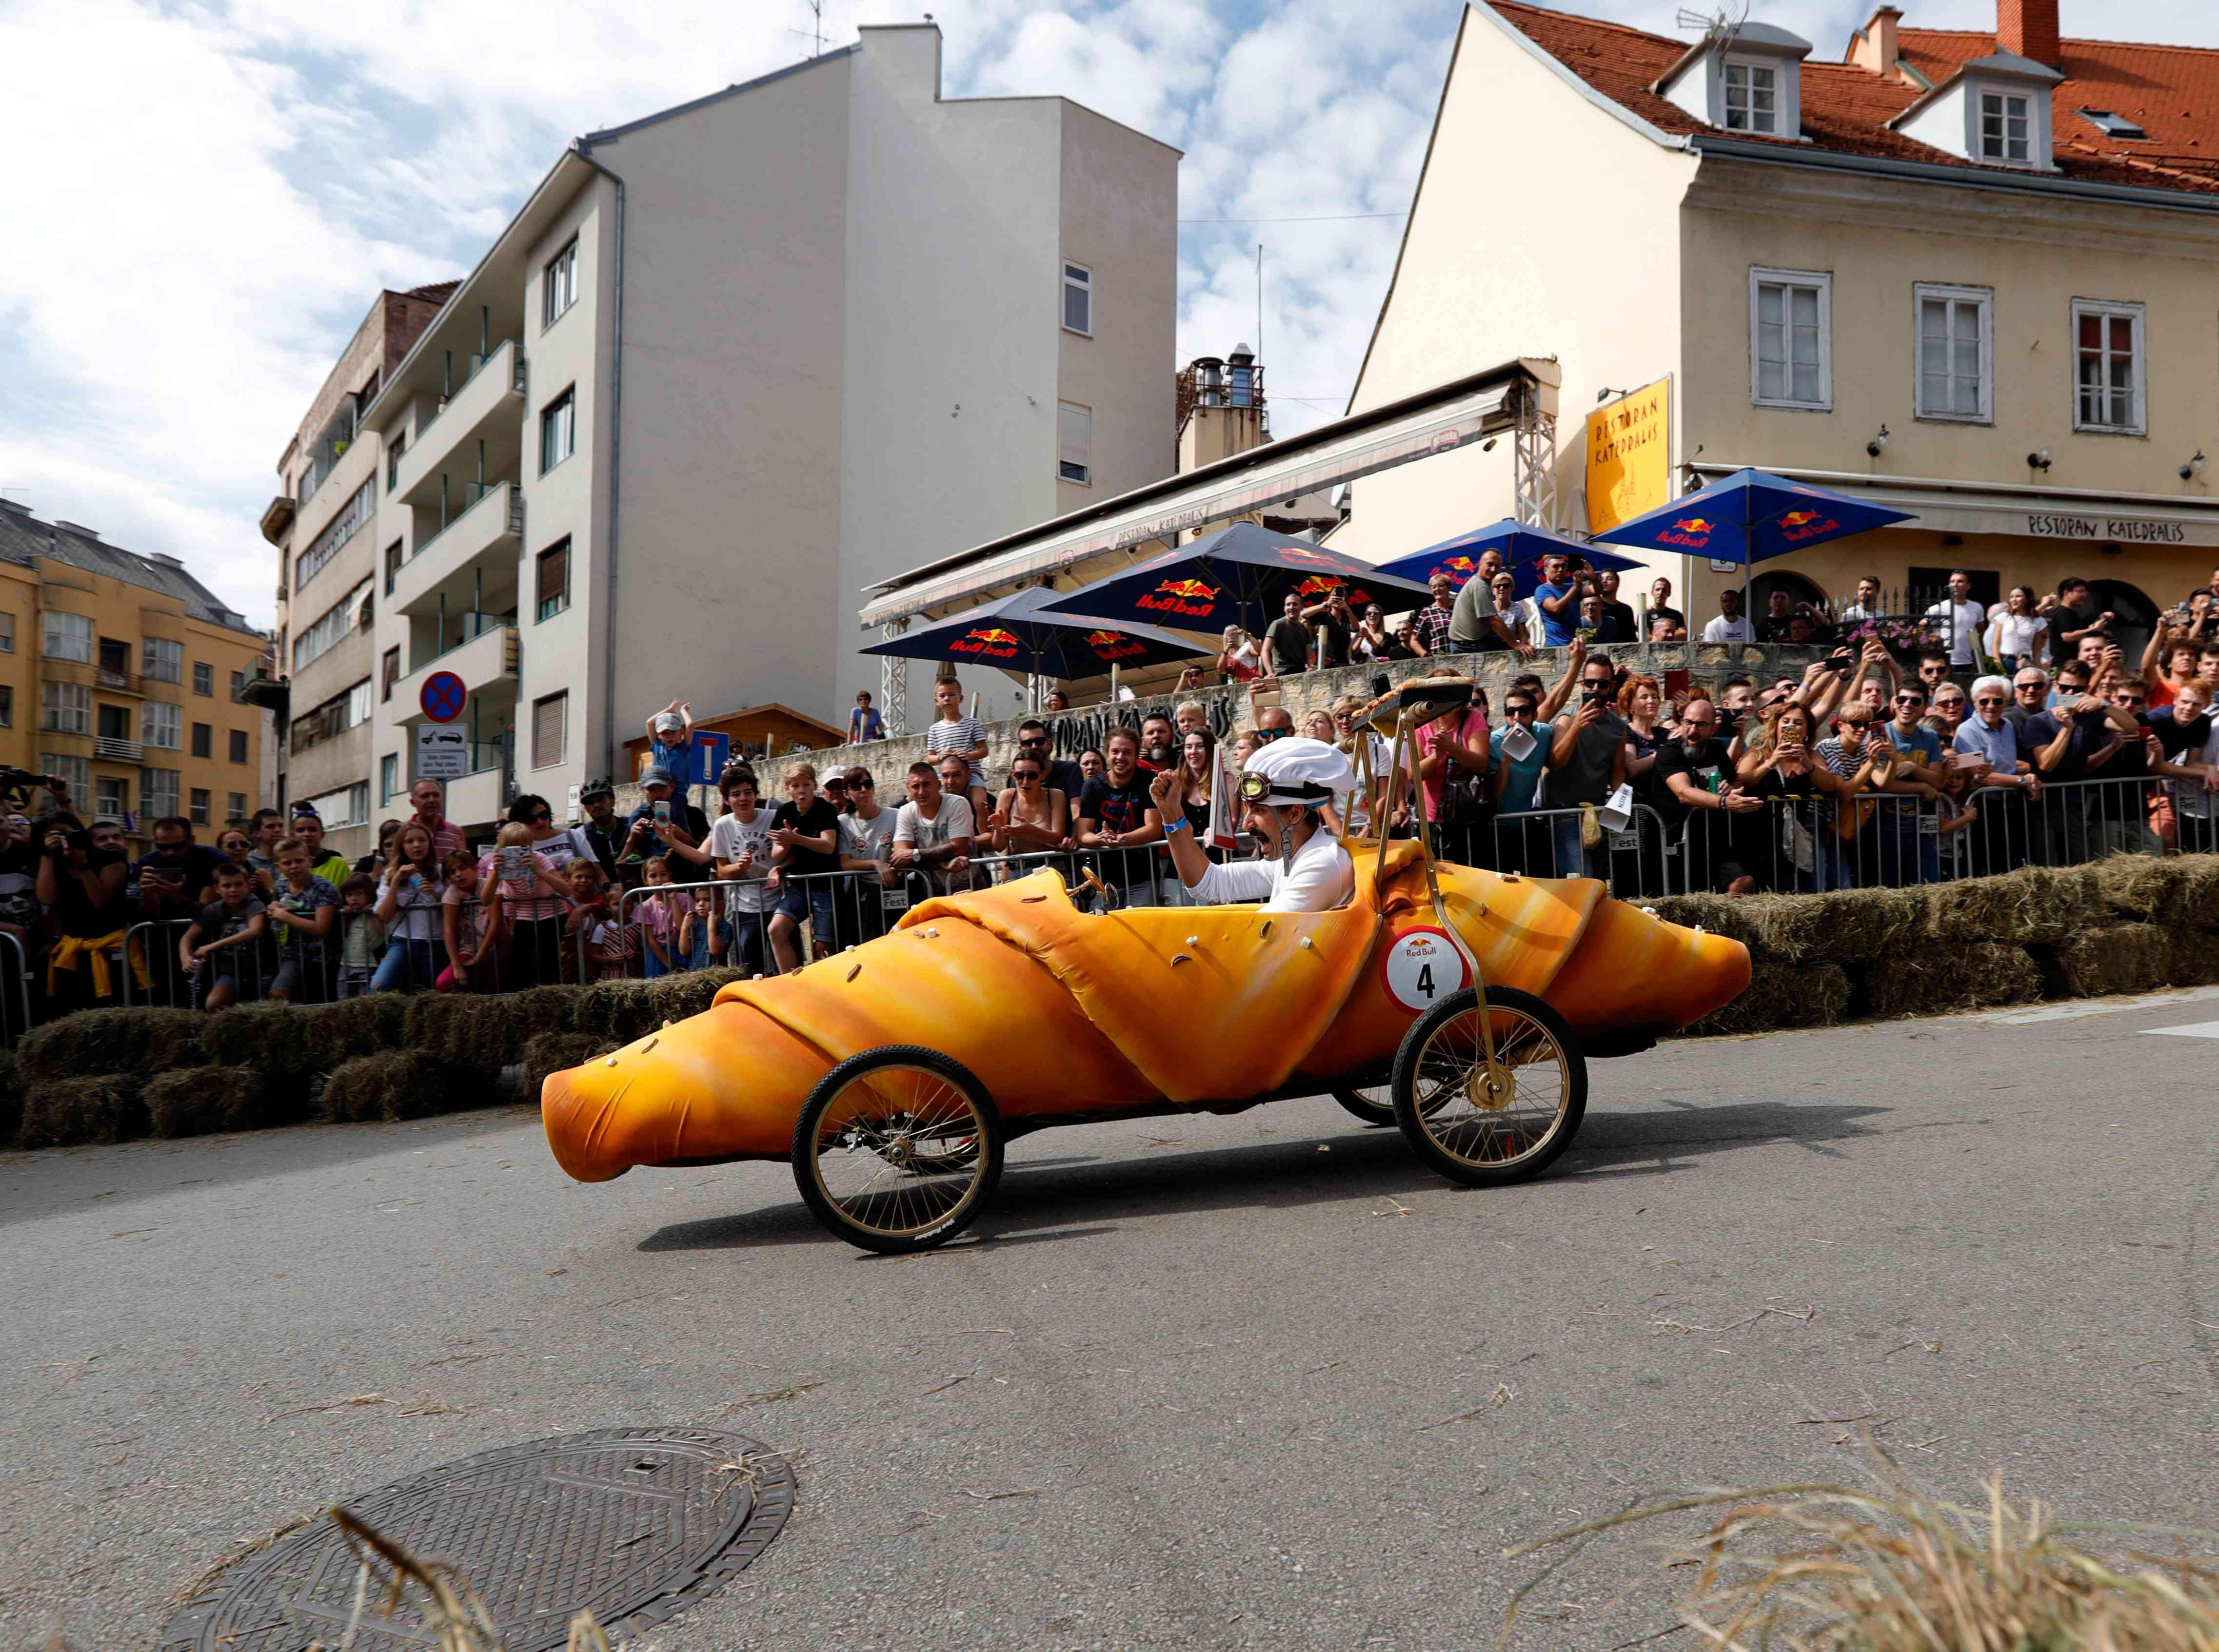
621, 1010
2035, 906
396, 1084
11, 1097
100, 1108
146, 1039
201, 1100
1782, 996
2198, 901
550, 1052
2119, 958
1935, 980
691, 992
334, 1034
271, 1038
468, 1031
1844, 926
1718, 914
539, 1010
2195, 956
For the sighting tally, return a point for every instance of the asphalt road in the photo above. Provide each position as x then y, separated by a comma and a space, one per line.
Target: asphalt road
1257, 1380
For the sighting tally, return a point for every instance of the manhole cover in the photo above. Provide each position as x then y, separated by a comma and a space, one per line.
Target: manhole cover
630, 1524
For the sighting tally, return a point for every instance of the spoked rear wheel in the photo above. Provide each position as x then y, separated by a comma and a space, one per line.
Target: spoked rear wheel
897, 1149
1484, 1127
1373, 1103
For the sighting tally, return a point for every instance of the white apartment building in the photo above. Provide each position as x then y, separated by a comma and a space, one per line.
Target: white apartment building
729, 366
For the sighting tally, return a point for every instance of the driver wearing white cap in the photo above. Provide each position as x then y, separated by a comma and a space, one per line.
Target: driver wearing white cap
1282, 789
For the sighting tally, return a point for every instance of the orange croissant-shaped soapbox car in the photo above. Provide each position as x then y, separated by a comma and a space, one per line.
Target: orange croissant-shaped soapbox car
892, 1074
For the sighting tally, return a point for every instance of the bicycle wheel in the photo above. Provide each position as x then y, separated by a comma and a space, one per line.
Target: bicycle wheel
1373, 1103
1486, 1127
897, 1149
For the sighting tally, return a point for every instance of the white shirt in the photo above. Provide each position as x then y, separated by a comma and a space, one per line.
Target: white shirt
2017, 635
1722, 629
1322, 877
730, 838
1963, 621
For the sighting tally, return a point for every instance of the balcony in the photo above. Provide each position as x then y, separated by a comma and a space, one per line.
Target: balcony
486, 661
488, 405
120, 682
491, 528
108, 749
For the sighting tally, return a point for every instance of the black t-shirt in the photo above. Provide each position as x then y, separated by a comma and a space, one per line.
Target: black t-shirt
815, 821
1115, 808
1618, 624
2176, 737
219, 922
695, 825
1066, 777
1773, 784
75, 914
2042, 728
1645, 787
1710, 769
1287, 646
1772, 628
1334, 649
1651, 616
192, 865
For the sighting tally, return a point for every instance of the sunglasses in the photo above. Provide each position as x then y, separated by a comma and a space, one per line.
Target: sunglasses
1910, 699
862, 785
1034, 740
1022, 775
1987, 699
538, 816
1265, 736
1518, 711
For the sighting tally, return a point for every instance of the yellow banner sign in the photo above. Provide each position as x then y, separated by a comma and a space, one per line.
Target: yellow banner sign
1629, 455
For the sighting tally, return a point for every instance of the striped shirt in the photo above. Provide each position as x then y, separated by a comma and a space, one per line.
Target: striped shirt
963, 736
446, 836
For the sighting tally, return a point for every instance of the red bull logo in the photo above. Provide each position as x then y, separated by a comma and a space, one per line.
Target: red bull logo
1305, 554
1104, 639
1459, 565
1196, 598
989, 643
1316, 586
1693, 531
1112, 645
1799, 525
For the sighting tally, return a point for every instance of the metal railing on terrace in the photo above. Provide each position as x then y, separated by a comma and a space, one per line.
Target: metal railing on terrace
474, 493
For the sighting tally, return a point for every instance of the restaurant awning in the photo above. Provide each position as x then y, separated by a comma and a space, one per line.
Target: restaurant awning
1518, 394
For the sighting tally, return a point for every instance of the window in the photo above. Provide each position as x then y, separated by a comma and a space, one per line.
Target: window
392, 565
1074, 442
354, 516
238, 745
2003, 129
334, 624
74, 773
68, 636
203, 680
389, 672
163, 726
203, 740
198, 814
388, 777
115, 724
550, 724
395, 445
1078, 299
239, 685
1791, 339
559, 284
349, 805
554, 580
111, 797
65, 708
1955, 353
7, 633
2112, 124
1752, 97
2108, 358
161, 660
157, 791
325, 722
558, 430
7, 706
234, 811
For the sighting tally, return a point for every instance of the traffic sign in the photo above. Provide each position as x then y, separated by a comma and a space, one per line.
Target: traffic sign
711, 751
442, 753
443, 696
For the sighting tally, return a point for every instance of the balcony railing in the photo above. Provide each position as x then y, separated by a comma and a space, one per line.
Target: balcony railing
123, 682
474, 493
116, 750
473, 627
477, 364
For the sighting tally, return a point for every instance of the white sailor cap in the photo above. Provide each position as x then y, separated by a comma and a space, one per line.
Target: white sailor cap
1295, 770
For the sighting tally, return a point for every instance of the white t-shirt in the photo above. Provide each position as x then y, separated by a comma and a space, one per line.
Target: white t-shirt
1960, 623
418, 918
869, 839
1722, 629
1322, 877
2017, 635
728, 839
954, 821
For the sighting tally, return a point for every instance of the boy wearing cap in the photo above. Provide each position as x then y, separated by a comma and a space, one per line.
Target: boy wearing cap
1283, 788
670, 737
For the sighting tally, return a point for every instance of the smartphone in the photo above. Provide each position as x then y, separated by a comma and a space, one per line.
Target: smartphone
662, 811
512, 862
1966, 760
1264, 699
1677, 683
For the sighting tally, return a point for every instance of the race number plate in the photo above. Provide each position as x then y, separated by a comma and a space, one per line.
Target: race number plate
1422, 967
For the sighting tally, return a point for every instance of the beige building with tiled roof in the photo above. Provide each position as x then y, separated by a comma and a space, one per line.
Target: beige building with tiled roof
1975, 275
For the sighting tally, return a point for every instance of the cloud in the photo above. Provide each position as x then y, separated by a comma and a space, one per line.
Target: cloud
214, 192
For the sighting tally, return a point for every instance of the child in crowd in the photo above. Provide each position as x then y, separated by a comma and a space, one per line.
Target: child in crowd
964, 735
224, 938
361, 937
408, 907
306, 909
467, 928
664, 920
740, 844
593, 921
805, 836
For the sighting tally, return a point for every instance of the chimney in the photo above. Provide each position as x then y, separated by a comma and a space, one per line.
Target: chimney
1873, 49
2028, 27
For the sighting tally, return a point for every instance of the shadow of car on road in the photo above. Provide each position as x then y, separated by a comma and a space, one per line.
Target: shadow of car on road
1037, 1197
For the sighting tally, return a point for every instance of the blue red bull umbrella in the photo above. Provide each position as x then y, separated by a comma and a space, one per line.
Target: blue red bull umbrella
1521, 547
1013, 633
1239, 575
1750, 517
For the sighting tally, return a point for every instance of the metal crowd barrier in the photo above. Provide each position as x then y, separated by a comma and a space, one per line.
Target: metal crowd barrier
14, 1005
1546, 843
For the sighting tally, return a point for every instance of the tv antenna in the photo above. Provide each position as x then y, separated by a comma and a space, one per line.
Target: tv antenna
1724, 23
815, 33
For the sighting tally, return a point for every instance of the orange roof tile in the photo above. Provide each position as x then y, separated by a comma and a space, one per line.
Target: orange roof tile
2171, 91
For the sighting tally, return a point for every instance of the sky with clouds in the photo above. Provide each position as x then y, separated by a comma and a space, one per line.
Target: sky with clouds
213, 190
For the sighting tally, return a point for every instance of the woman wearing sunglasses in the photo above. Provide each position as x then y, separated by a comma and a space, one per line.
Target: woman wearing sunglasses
1032, 816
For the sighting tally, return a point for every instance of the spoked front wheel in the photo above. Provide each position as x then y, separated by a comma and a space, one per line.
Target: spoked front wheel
1485, 1126
897, 1149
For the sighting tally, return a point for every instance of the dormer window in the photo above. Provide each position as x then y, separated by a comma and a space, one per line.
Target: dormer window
2113, 125
1752, 96
2005, 125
